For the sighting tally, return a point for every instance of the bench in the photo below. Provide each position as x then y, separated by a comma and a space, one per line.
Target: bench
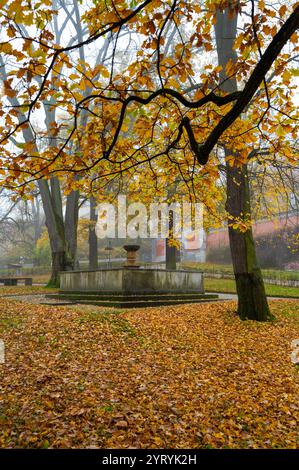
13, 281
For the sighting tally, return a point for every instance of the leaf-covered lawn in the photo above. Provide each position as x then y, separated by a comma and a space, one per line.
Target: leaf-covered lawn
188, 376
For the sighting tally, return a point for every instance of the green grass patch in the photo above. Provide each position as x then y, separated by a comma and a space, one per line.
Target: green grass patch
13, 323
228, 269
291, 311
112, 317
229, 286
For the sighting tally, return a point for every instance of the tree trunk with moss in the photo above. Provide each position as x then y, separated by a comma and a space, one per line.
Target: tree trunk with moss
252, 301
170, 249
92, 237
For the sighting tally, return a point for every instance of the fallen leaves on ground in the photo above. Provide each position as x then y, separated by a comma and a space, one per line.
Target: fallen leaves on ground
189, 376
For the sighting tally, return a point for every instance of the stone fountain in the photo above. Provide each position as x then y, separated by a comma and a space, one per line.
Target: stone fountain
132, 286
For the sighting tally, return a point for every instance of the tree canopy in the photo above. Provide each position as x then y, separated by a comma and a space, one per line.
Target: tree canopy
153, 103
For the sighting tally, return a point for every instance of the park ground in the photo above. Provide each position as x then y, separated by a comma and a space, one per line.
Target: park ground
189, 376
211, 284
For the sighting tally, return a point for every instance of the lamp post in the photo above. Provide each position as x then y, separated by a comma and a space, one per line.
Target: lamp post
109, 249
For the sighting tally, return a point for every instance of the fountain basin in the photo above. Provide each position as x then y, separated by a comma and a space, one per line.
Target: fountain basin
127, 281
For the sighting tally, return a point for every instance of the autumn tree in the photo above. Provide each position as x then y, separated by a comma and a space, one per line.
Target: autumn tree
252, 300
61, 227
60, 203
170, 109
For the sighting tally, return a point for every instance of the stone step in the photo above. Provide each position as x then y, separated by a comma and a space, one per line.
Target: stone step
133, 298
128, 294
158, 301
142, 304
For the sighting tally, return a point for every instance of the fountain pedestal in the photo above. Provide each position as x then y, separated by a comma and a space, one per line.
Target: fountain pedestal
131, 256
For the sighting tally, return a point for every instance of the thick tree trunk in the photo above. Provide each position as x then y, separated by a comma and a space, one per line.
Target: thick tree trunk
71, 226
92, 237
58, 265
170, 250
252, 301
62, 260
62, 240
171, 253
